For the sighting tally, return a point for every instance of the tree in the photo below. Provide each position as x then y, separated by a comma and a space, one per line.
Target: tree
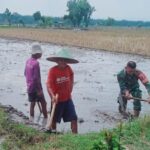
7, 14
79, 10
87, 10
74, 12
21, 22
37, 16
46, 21
15, 18
110, 21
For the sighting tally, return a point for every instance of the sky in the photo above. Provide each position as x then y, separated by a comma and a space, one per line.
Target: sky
117, 9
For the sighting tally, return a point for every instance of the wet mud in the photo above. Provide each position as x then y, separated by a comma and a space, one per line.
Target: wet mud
95, 90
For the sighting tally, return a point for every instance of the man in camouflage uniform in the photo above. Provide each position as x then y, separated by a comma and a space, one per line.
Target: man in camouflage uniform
129, 86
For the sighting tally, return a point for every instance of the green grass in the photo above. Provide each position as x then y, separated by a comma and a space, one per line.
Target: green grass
135, 135
18, 136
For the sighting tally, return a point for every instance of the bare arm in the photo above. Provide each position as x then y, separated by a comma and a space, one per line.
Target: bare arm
143, 78
51, 86
72, 82
49, 90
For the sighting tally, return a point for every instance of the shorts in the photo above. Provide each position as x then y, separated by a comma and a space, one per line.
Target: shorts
34, 97
65, 110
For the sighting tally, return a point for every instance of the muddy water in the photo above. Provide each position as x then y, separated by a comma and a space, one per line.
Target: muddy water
95, 90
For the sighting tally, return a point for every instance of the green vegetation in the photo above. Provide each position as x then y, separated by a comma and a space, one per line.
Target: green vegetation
134, 136
80, 11
18, 136
42, 20
7, 15
79, 15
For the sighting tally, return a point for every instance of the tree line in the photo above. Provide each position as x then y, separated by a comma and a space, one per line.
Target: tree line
79, 11
78, 15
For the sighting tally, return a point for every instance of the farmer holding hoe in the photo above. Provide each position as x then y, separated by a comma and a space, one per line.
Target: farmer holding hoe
60, 85
33, 80
130, 88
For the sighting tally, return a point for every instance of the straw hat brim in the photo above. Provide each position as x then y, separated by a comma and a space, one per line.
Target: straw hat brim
67, 60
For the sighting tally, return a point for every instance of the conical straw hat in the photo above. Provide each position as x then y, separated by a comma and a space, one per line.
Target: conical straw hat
64, 55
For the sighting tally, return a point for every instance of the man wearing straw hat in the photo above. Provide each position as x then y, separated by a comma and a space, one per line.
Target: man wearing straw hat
33, 79
60, 82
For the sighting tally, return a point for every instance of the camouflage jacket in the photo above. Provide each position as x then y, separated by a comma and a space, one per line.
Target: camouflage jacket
130, 82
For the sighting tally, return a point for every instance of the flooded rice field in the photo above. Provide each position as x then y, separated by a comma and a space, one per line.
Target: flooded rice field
95, 90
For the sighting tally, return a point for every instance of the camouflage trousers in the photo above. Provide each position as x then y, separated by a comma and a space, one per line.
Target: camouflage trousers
136, 103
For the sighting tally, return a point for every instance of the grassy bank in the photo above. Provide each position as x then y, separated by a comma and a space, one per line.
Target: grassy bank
126, 40
18, 136
135, 136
